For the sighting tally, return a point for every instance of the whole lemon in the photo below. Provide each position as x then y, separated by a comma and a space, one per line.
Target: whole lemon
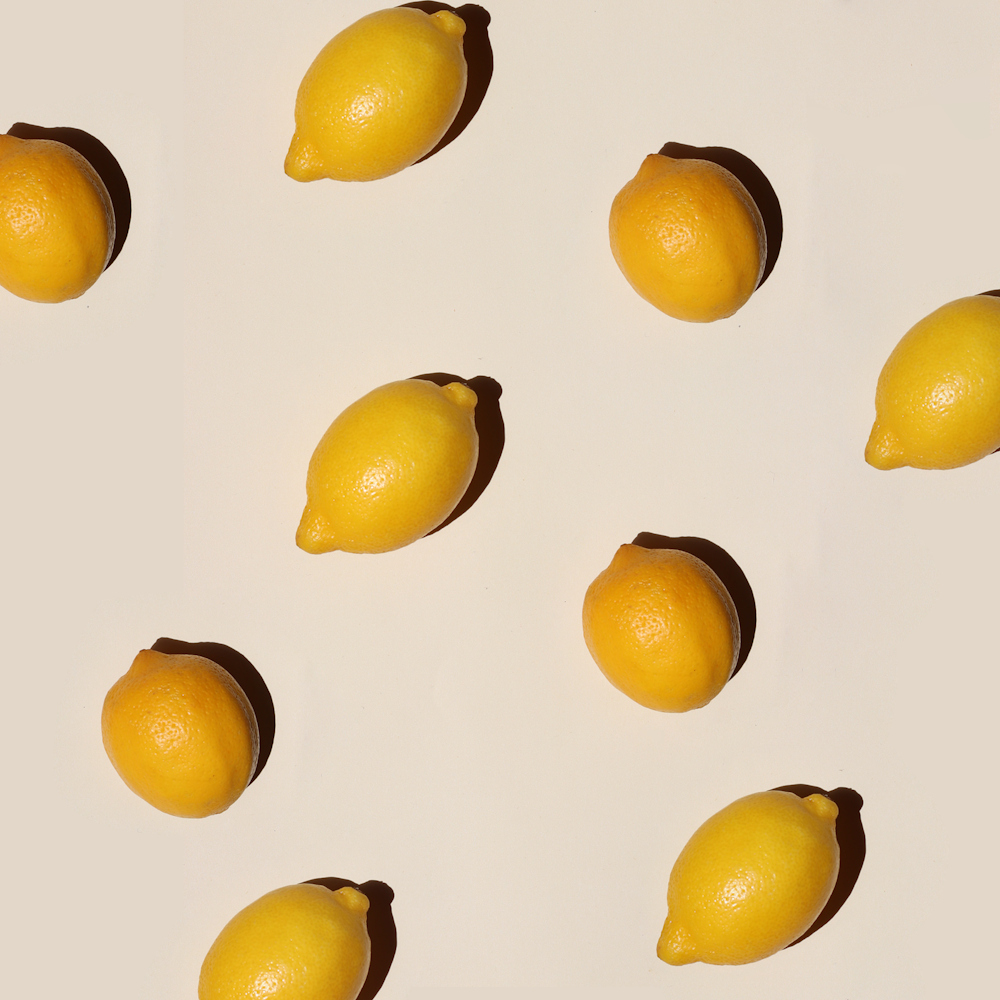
688, 237
662, 627
937, 404
379, 96
390, 468
302, 942
57, 225
751, 880
181, 733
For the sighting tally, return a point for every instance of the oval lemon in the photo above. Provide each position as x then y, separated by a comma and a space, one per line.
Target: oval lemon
181, 733
57, 224
379, 96
937, 404
688, 237
751, 880
662, 627
301, 942
390, 468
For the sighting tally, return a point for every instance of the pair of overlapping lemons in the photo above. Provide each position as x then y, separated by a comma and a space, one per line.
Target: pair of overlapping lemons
392, 467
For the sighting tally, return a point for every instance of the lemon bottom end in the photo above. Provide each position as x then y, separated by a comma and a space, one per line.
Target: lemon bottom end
883, 451
314, 534
303, 161
676, 946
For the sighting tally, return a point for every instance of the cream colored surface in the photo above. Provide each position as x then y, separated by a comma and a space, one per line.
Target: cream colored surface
440, 724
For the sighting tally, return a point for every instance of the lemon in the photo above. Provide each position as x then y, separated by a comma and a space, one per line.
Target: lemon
379, 96
390, 468
57, 225
662, 627
181, 733
751, 880
302, 942
688, 237
937, 404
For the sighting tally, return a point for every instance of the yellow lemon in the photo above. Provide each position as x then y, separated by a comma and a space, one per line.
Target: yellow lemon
689, 238
751, 880
57, 226
390, 468
937, 404
302, 942
662, 627
379, 96
181, 733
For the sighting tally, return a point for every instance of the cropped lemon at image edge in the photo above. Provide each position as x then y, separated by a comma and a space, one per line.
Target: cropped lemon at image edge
57, 220
300, 942
937, 401
390, 468
379, 96
181, 733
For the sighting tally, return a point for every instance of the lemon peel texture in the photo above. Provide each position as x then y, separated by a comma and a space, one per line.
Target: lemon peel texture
181, 733
390, 468
937, 403
57, 223
751, 880
301, 942
662, 627
379, 96
688, 237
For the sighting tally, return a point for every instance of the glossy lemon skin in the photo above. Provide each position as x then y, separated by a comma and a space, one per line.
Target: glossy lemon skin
937, 402
181, 733
689, 238
379, 96
662, 628
301, 942
752, 879
390, 468
57, 224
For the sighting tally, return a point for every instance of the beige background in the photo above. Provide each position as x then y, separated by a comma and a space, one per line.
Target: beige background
440, 725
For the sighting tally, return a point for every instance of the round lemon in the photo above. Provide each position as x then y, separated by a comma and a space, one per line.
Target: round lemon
302, 942
379, 96
937, 404
181, 733
689, 238
390, 468
751, 880
57, 225
662, 627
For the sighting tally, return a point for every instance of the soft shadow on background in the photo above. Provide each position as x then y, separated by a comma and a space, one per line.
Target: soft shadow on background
489, 426
726, 569
100, 158
850, 837
478, 58
381, 928
245, 674
753, 179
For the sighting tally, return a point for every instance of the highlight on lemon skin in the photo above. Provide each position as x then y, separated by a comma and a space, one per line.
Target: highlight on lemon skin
379, 96
390, 468
181, 733
300, 942
937, 403
662, 627
689, 238
751, 880
57, 223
